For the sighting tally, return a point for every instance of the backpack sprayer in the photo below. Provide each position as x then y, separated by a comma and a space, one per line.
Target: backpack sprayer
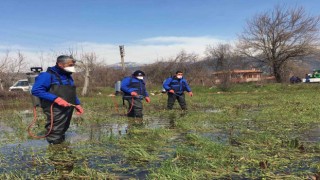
117, 87
31, 79
35, 71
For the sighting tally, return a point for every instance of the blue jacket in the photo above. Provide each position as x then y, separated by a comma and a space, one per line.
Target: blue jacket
132, 84
44, 80
178, 85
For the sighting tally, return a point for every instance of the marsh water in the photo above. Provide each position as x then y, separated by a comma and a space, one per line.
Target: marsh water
89, 145
36, 156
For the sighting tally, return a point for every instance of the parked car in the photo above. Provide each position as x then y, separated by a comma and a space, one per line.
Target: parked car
21, 85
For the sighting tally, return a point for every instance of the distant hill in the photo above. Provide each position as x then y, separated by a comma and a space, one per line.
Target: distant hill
126, 64
313, 62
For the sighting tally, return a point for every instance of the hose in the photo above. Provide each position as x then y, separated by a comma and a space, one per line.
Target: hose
131, 105
117, 106
35, 120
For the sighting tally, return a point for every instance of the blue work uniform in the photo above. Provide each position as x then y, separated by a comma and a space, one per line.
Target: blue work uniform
179, 86
48, 86
133, 84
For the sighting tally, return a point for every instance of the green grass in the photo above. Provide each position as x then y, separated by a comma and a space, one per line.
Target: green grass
248, 131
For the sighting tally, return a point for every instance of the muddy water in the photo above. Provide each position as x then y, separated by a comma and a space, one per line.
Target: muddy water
95, 131
27, 155
216, 136
20, 156
312, 135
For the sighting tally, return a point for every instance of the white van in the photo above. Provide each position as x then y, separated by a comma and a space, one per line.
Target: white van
21, 85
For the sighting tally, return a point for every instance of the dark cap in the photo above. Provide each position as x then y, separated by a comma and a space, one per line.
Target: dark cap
138, 73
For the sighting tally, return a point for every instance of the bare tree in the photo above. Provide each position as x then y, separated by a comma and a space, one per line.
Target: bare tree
279, 36
183, 62
160, 70
220, 55
87, 64
4, 62
16, 65
11, 68
41, 58
3, 68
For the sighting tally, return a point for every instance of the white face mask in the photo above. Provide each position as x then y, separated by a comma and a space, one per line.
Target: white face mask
71, 69
179, 77
140, 77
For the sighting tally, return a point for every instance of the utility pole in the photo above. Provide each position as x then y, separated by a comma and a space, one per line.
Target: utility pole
122, 57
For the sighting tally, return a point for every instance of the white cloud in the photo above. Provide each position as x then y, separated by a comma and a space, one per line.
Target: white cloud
181, 40
143, 51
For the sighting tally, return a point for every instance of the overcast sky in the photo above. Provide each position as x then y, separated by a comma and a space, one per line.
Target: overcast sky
149, 29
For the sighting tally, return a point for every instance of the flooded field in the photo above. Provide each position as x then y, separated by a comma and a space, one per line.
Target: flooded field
273, 133
90, 144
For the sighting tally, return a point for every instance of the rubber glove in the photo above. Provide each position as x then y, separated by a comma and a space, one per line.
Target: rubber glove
171, 91
61, 102
134, 93
148, 99
79, 110
191, 94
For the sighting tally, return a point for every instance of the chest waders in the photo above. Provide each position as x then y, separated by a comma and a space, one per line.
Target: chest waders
58, 117
135, 106
178, 87
181, 100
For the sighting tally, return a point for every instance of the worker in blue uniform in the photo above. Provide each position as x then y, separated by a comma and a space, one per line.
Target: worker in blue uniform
134, 91
56, 88
175, 87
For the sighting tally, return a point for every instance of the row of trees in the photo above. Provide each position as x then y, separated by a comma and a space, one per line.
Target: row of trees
10, 68
276, 41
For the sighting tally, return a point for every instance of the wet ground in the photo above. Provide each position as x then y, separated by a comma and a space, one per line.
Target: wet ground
28, 155
37, 157
312, 135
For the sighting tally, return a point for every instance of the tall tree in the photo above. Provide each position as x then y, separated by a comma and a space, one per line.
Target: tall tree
279, 36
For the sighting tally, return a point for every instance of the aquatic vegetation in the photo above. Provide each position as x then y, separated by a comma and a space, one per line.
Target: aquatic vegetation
248, 132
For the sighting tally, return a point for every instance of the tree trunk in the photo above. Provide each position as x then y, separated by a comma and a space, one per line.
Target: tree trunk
86, 81
1, 85
202, 82
277, 73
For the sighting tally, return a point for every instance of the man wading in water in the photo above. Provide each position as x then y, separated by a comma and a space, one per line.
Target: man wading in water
134, 89
56, 87
175, 87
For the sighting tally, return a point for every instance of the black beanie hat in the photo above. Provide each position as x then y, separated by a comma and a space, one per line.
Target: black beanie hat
138, 73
